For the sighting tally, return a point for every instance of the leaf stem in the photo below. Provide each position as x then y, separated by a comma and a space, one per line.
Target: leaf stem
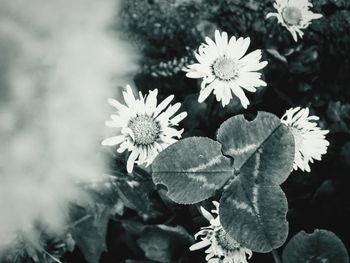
276, 257
80, 220
210, 106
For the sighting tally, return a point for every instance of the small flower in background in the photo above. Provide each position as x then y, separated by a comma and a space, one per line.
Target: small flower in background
225, 69
145, 128
294, 15
310, 141
222, 247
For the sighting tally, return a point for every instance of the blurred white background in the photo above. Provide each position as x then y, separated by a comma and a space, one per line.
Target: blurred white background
59, 62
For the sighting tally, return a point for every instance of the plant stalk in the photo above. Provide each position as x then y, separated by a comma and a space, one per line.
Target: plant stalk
275, 256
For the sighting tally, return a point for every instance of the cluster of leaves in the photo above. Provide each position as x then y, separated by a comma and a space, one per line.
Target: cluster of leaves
250, 161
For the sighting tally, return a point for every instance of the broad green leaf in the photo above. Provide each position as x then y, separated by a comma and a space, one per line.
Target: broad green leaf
265, 140
273, 160
192, 169
255, 214
321, 246
90, 232
253, 208
133, 189
90, 217
163, 243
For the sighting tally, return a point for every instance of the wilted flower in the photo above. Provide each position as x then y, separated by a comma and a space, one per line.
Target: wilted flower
145, 129
225, 69
294, 15
310, 141
222, 247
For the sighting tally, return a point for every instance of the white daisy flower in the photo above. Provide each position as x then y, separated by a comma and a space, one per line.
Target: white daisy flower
144, 129
294, 15
226, 69
222, 247
310, 141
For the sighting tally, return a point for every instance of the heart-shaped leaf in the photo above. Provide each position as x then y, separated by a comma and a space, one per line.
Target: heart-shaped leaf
321, 246
255, 214
253, 208
192, 169
241, 139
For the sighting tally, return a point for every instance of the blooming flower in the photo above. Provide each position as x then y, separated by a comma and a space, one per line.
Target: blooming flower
294, 15
222, 247
310, 142
225, 69
145, 128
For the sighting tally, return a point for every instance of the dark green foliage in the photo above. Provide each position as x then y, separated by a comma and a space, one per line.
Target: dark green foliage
90, 233
163, 243
265, 136
192, 169
134, 189
255, 214
317, 247
339, 116
253, 207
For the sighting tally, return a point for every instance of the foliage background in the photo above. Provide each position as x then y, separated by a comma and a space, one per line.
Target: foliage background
312, 73
148, 227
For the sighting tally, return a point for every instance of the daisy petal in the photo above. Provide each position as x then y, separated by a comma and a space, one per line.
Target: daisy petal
129, 96
173, 109
240, 94
200, 245
178, 118
163, 105
113, 140
310, 142
117, 105
204, 93
151, 102
131, 160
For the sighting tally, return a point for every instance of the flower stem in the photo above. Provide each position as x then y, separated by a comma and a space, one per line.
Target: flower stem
210, 106
276, 257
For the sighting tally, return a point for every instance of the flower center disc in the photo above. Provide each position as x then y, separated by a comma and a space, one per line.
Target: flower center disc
292, 15
225, 241
225, 68
145, 129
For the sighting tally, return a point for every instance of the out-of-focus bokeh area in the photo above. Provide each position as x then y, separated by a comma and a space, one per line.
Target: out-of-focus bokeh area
60, 60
